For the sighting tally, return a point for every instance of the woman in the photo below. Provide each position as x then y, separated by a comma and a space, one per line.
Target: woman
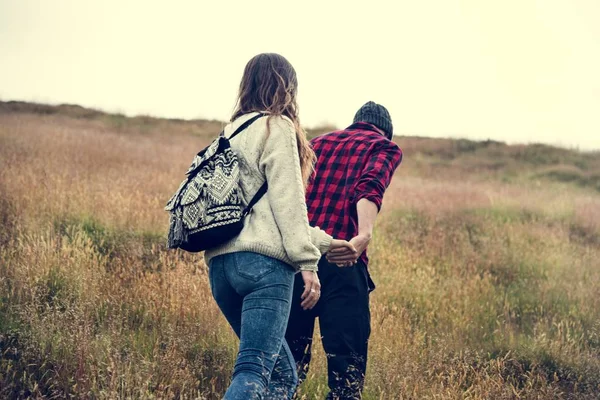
252, 276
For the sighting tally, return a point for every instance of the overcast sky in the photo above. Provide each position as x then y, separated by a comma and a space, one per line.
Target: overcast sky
510, 70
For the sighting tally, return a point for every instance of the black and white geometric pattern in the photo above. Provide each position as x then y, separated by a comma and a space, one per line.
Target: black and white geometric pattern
210, 196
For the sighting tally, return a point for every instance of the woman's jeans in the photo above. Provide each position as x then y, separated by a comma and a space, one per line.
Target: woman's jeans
254, 292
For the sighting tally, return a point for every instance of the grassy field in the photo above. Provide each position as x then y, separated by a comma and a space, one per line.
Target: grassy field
486, 259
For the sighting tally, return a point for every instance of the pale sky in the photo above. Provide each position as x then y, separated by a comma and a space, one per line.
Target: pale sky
510, 70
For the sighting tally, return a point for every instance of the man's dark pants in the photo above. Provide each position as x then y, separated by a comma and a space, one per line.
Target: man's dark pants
345, 324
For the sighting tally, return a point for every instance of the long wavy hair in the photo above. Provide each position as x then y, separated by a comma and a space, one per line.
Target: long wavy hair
270, 84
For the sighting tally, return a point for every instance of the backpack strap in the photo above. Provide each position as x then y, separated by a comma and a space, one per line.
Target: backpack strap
261, 192
263, 189
245, 125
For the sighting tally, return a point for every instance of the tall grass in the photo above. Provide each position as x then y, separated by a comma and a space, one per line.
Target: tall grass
488, 284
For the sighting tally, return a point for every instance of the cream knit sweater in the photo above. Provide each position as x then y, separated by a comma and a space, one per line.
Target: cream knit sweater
278, 225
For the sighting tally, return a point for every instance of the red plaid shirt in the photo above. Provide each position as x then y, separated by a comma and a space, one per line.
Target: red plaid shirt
352, 164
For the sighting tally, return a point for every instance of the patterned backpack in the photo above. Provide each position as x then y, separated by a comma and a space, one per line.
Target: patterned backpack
207, 210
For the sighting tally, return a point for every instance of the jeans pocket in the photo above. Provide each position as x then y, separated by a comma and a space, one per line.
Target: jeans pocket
254, 266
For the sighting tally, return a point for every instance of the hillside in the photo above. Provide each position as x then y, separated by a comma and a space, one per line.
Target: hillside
485, 258
444, 158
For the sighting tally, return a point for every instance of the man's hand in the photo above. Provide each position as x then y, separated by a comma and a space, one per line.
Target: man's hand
342, 253
360, 242
343, 257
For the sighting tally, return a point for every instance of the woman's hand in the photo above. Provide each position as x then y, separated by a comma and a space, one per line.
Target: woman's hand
312, 289
342, 253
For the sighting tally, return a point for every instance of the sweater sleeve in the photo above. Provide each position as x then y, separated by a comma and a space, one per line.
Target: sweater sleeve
320, 238
280, 163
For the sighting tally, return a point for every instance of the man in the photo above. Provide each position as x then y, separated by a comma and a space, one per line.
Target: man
354, 167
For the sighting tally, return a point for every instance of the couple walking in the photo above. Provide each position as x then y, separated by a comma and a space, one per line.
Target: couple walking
315, 219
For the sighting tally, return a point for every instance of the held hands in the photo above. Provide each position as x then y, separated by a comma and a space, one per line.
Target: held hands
344, 253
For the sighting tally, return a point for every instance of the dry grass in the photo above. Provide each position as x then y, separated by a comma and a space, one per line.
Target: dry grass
486, 266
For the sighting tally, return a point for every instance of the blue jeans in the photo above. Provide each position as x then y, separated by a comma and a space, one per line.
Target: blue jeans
254, 292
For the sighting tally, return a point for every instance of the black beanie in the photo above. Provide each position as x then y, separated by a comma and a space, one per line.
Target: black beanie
377, 115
